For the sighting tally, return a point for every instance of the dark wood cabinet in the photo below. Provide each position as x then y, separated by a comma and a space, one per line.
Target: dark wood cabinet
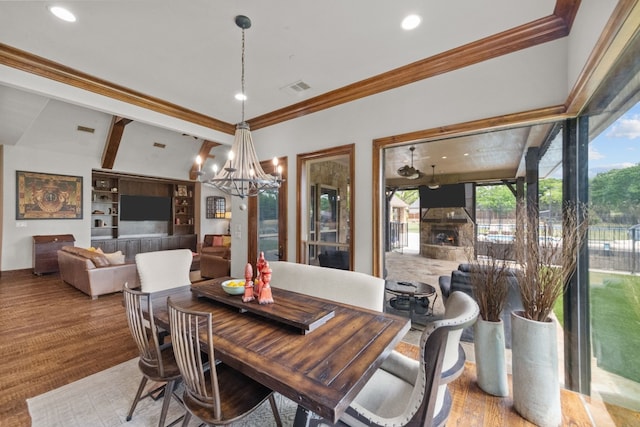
107, 245
135, 245
45, 252
129, 247
150, 244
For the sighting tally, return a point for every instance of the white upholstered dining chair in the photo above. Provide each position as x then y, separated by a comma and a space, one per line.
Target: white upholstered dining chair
162, 270
404, 391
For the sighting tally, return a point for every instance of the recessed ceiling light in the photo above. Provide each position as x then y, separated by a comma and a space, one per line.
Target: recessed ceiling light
241, 96
411, 22
466, 154
444, 157
62, 13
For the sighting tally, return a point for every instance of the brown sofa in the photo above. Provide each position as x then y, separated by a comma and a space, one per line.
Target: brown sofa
216, 244
93, 273
215, 256
213, 265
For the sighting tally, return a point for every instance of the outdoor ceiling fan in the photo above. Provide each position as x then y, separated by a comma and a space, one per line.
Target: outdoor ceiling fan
407, 171
433, 184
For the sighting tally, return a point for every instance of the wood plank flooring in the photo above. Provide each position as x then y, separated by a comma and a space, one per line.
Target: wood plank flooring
53, 334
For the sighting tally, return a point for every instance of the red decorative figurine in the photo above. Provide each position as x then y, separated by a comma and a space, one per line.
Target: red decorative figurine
259, 282
248, 284
265, 293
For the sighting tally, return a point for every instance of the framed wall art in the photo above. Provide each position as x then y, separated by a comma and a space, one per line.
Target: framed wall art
48, 196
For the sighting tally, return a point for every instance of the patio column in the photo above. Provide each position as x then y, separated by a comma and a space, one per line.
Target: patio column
577, 326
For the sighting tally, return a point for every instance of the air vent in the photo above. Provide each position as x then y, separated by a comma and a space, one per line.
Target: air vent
158, 145
296, 88
86, 129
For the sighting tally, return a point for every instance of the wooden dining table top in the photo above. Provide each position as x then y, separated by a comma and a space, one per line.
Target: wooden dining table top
321, 371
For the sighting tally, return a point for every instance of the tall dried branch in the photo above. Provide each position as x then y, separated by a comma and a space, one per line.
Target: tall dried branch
548, 262
489, 282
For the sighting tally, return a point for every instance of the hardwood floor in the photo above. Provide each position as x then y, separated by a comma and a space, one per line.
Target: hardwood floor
54, 334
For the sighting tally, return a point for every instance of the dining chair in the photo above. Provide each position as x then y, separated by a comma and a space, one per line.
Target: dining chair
162, 270
218, 394
156, 362
404, 391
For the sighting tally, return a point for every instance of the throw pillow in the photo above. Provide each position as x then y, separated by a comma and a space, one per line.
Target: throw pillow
226, 241
115, 258
217, 240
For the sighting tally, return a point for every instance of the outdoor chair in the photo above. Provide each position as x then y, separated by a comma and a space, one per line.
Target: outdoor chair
217, 394
156, 361
404, 391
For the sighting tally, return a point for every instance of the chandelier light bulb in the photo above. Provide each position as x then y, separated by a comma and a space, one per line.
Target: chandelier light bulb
199, 162
231, 155
215, 169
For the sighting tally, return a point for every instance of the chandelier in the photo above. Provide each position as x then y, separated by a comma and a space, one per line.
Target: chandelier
242, 174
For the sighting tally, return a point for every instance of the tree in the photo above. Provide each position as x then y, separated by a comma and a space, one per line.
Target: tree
408, 196
496, 198
617, 192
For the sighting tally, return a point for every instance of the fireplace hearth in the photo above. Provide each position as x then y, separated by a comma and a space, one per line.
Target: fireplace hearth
447, 233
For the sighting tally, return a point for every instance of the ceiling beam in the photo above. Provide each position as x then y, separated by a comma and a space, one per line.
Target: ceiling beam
43, 67
531, 34
113, 141
204, 153
540, 31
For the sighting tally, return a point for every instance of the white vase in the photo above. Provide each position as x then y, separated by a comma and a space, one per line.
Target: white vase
536, 386
488, 344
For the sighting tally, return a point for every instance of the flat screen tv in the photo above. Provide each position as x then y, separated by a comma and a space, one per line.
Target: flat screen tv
447, 196
145, 208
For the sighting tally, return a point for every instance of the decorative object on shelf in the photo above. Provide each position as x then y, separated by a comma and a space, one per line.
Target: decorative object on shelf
546, 266
407, 171
48, 196
248, 283
242, 174
433, 184
181, 191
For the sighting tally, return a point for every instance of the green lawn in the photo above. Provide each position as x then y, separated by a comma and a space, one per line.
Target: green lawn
615, 322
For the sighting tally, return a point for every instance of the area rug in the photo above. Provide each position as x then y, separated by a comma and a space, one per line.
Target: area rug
103, 399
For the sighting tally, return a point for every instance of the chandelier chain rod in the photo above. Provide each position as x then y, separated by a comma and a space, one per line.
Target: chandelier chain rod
244, 95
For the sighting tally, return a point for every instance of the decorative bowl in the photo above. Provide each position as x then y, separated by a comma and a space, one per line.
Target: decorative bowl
233, 287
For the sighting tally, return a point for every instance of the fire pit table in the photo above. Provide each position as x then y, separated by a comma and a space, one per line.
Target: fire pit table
411, 297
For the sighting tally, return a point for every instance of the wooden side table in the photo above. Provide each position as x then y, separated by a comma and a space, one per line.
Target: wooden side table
45, 252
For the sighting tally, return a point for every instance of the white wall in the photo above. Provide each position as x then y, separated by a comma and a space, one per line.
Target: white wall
517, 82
31, 156
537, 77
17, 241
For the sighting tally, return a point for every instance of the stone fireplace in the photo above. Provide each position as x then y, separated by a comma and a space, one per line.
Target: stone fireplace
446, 233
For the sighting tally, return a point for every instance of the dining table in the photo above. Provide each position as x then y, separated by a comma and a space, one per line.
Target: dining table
316, 352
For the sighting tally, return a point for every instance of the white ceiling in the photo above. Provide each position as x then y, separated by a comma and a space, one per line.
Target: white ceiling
188, 53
